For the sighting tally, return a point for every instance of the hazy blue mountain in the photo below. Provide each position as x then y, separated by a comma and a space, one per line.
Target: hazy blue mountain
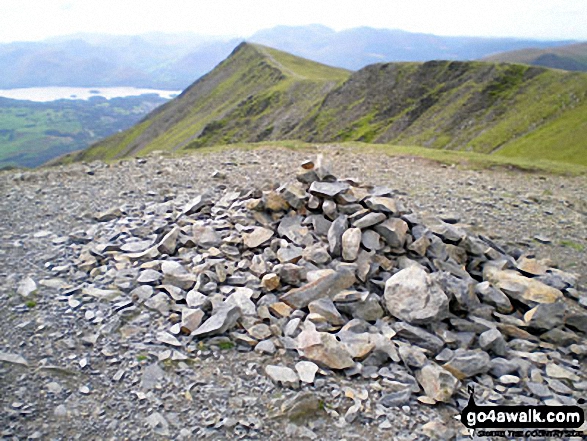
355, 48
174, 61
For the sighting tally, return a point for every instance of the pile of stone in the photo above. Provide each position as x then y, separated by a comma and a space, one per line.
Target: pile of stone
349, 279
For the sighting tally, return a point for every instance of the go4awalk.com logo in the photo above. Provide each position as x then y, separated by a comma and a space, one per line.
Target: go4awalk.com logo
522, 421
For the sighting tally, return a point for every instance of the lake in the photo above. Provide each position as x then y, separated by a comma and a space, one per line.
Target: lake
43, 94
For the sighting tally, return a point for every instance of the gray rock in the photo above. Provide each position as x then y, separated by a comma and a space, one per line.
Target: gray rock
369, 220
306, 371
328, 189
159, 302
327, 284
149, 277
371, 240
351, 241
266, 347
223, 319
438, 383
324, 349
465, 364
325, 307
335, 232
419, 337
191, 320
494, 297
492, 341
169, 242
394, 232
367, 307
7, 357
396, 399
257, 237
412, 356
546, 316
412, 295
283, 375
26, 287
205, 236
382, 204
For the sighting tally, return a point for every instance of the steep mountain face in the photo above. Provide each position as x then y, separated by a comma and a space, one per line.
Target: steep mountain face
261, 94
569, 57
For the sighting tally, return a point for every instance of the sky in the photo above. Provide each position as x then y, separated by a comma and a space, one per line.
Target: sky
30, 20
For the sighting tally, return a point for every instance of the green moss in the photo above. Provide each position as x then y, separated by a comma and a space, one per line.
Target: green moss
574, 245
226, 345
142, 357
31, 304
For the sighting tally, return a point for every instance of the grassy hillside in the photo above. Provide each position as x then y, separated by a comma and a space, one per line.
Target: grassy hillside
257, 93
260, 94
32, 133
568, 57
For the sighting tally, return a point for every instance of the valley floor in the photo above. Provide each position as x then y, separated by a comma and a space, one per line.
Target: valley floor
84, 382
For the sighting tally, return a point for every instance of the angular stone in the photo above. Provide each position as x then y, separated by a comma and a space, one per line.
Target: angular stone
270, 282
351, 241
291, 228
223, 319
367, 307
420, 246
295, 195
101, 294
438, 383
306, 371
195, 205
205, 236
328, 189
325, 307
523, 289
7, 357
260, 331
159, 302
169, 241
324, 349
371, 240
335, 232
289, 254
411, 295
465, 364
545, 316
265, 347
394, 232
396, 399
327, 284
257, 237
241, 297
494, 297
196, 299
26, 287
556, 371
369, 220
492, 341
419, 337
531, 266
275, 202
282, 374
412, 356
191, 320
167, 338
149, 277
382, 204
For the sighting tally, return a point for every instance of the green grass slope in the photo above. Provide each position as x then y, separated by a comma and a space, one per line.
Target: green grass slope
570, 57
504, 109
257, 93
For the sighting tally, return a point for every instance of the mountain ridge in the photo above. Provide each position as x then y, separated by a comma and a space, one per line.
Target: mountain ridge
261, 94
571, 57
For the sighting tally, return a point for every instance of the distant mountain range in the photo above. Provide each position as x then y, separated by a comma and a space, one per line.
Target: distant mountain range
164, 61
263, 94
569, 57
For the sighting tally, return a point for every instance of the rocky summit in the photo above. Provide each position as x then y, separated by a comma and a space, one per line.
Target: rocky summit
326, 290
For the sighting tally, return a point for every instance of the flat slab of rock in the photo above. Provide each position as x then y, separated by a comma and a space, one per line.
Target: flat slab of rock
523, 289
222, 320
328, 284
7, 357
257, 237
26, 287
411, 295
323, 348
282, 374
328, 189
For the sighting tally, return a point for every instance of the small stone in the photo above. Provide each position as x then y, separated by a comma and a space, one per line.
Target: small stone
7, 357
325, 307
283, 375
259, 331
335, 232
328, 283
191, 320
523, 289
167, 338
54, 388
265, 347
465, 364
303, 404
222, 320
257, 237
546, 316
169, 242
323, 348
438, 383
280, 309
149, 277
509, 379
492, 341
531, 266
351, 241
84, 390
26, 287
396, 399
437, 430
369, 220
556, 371
328, 189
270, 281
306, 371
394, 232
